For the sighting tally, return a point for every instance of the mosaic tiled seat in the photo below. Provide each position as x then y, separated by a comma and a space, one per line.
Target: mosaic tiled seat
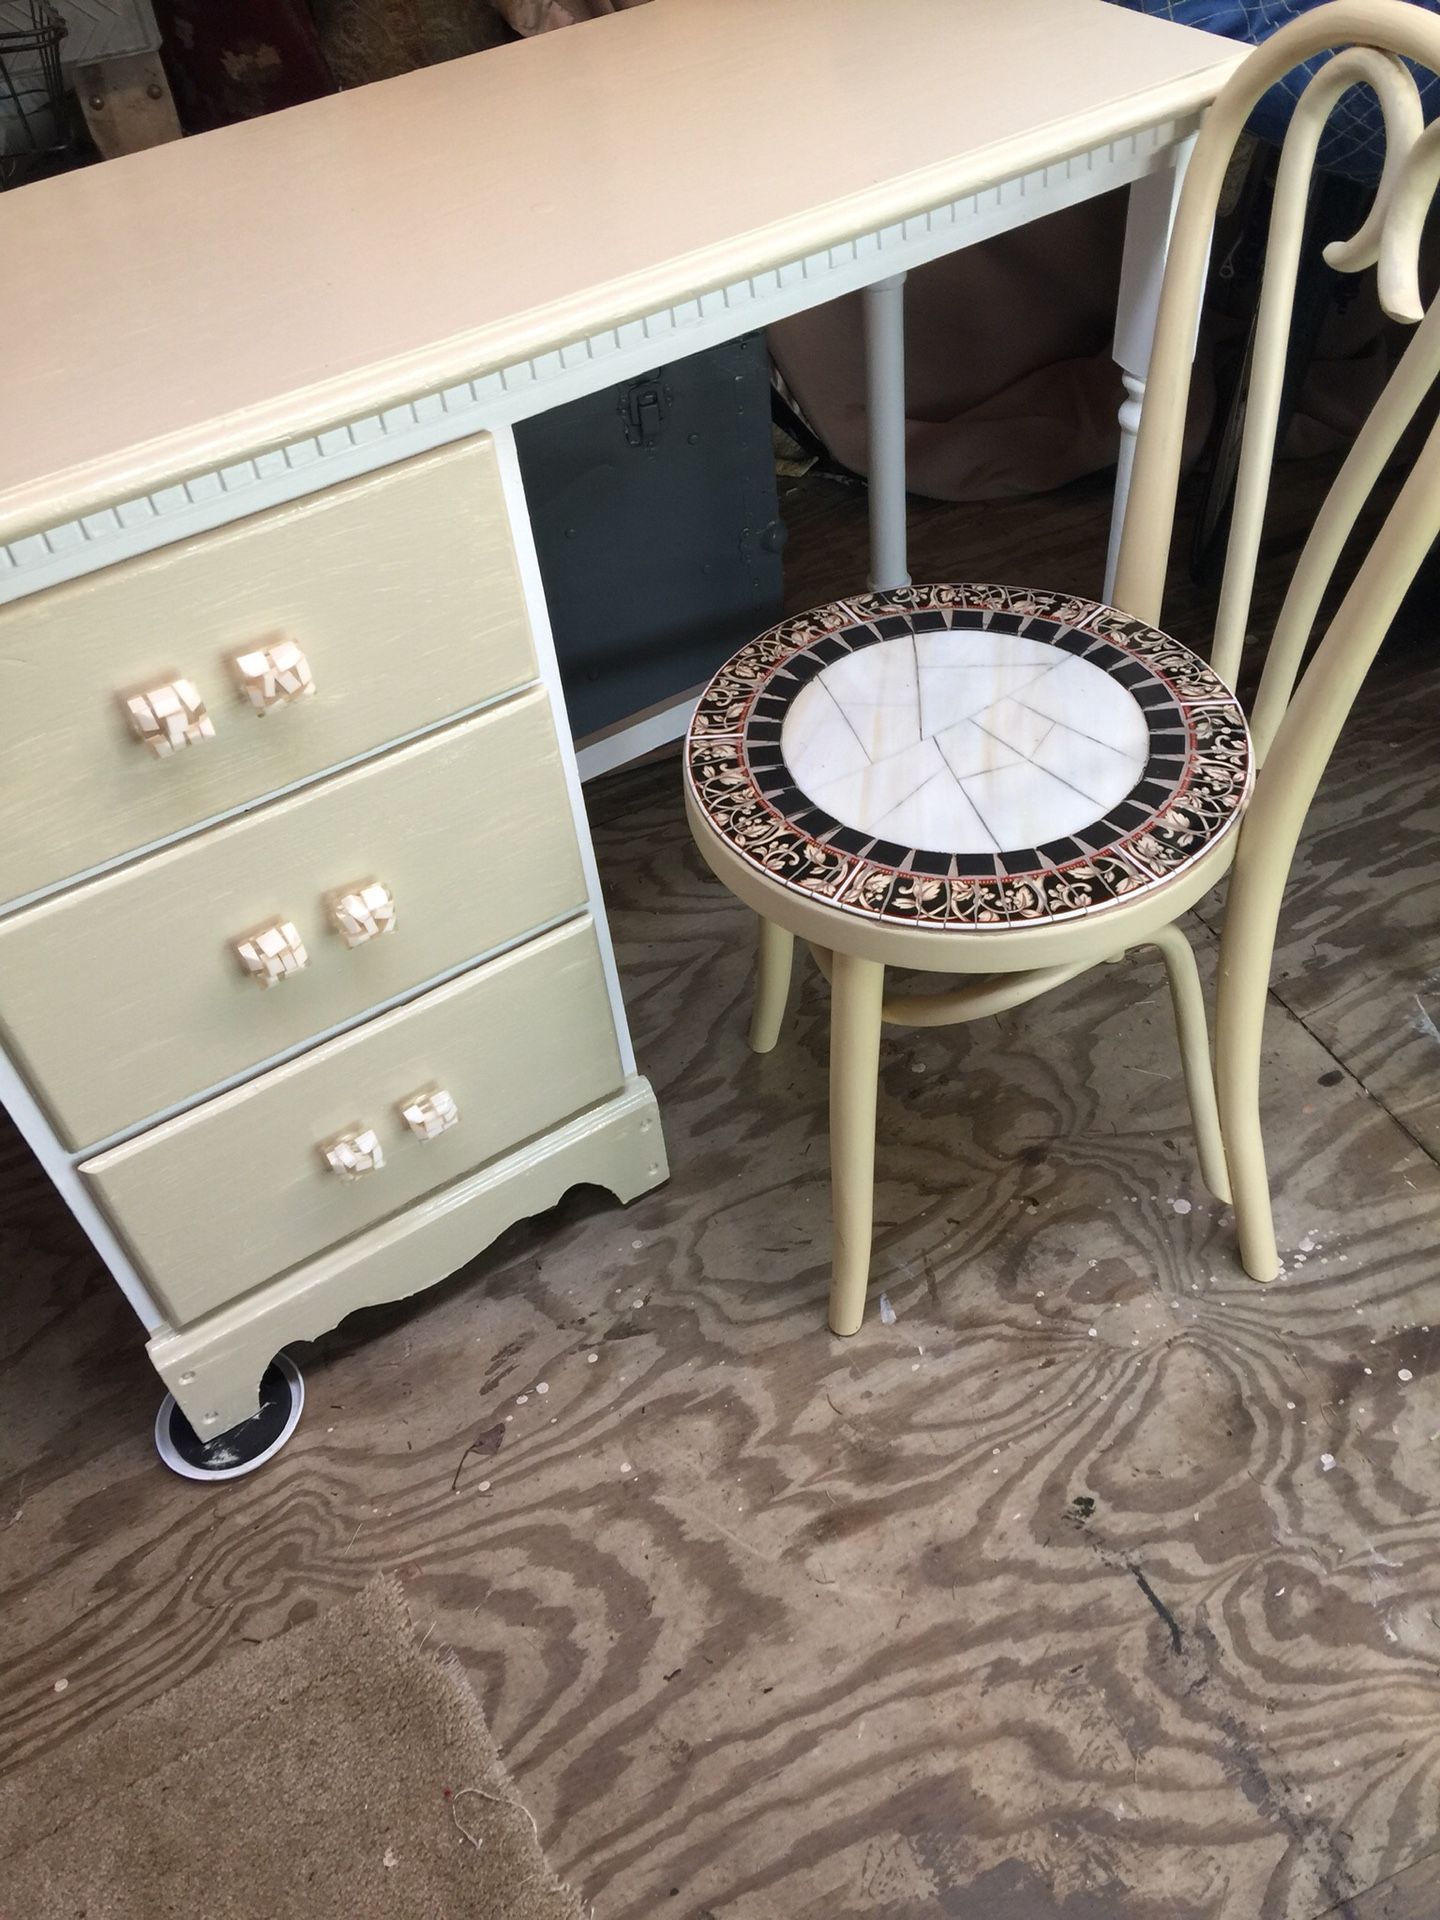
967, 758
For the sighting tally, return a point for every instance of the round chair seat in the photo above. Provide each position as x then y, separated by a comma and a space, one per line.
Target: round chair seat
968, 756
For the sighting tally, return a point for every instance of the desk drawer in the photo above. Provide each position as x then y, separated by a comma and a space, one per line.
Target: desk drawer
400, 589
239, 1191
127, 995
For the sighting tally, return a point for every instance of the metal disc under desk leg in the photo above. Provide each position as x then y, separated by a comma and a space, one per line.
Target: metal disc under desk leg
244, 1448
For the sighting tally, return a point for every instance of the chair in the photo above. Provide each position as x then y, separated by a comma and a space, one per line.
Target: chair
1014, 785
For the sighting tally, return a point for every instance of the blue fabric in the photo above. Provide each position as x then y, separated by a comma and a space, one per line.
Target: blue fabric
1354, 142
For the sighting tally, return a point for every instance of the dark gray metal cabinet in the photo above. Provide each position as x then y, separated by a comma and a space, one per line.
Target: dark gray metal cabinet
658, 528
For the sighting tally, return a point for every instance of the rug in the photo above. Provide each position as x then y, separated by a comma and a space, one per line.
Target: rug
334, 1772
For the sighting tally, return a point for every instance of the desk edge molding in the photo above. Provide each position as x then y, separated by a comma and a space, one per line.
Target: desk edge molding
110, 523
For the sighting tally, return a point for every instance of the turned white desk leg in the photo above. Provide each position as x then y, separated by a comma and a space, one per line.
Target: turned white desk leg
885, 412
1148, 220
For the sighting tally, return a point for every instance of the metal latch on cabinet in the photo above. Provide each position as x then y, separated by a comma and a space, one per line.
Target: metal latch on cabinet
643, 406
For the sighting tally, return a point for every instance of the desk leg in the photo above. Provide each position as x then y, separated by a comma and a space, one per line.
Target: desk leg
1150, 216
885, 411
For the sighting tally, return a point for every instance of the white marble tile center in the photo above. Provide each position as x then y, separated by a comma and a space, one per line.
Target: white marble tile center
965, 742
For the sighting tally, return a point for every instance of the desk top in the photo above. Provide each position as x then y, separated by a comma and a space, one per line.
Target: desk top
173, 309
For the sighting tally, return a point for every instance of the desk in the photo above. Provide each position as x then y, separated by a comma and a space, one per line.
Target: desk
283, 361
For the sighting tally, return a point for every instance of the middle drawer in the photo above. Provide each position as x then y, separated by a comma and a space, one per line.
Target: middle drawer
128, 995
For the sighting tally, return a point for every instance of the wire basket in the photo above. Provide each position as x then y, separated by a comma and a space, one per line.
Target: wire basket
34, 118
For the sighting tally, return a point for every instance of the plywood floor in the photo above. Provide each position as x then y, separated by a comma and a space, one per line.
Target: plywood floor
1038, 1604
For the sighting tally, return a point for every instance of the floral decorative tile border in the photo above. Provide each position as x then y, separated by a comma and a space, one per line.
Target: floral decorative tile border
1191, 794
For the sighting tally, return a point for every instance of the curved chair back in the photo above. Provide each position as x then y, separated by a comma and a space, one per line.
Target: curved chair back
1295, 728
1367, 39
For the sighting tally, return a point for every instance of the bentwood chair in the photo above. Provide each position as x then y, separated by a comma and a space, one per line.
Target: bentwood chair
1013, 785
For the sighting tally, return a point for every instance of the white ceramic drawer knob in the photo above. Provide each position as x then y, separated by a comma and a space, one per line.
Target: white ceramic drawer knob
170, 717
273, 676
363, 913
429, 1113
272, 953
353, 1154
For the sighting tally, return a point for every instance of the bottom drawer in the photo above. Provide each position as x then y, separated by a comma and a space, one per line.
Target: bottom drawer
239, 1190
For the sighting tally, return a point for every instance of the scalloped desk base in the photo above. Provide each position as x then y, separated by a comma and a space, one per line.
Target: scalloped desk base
214, 1367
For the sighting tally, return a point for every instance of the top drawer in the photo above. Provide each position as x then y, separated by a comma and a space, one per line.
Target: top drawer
400, 589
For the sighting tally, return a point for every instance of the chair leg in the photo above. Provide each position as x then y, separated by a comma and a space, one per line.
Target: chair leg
1194, 1036
858, 990
1245, 954
772, 985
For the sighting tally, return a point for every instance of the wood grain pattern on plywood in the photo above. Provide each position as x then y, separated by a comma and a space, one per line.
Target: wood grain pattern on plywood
1412, 1895
1040, 1602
